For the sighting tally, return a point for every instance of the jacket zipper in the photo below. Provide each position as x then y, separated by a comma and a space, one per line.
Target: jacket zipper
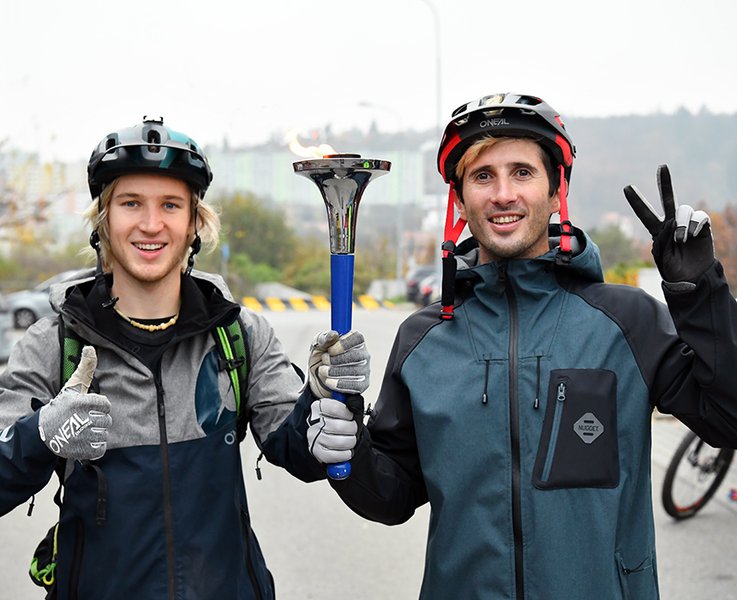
484, 395
536, 404
168, 517
164, 448
560, 398
249, 561
514, 435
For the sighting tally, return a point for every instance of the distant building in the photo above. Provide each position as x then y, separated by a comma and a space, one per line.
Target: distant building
270, 175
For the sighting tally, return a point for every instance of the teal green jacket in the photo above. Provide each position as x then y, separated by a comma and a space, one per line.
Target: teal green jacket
525, 423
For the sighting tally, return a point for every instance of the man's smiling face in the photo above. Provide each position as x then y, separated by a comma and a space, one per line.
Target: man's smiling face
150, 227
506, 200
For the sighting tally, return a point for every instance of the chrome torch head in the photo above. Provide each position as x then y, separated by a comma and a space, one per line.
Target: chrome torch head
342, 179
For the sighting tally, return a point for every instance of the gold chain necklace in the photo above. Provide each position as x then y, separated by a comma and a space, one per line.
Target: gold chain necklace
144, 326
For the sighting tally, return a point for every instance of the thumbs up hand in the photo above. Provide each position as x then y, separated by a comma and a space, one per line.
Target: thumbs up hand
74, 424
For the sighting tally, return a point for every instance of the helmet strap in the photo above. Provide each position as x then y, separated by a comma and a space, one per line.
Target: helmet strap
195, 248
453, 229
95, 243
196, 245
566, 227
99, 274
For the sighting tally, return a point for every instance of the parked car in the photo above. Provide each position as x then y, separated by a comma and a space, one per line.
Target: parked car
28, 306
429, 289
6, 329
413, 281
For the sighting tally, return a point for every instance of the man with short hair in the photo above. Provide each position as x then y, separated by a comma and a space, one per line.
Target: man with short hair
520, 408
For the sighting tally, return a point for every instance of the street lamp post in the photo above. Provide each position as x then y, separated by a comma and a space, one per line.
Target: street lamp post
436, 23
438, 117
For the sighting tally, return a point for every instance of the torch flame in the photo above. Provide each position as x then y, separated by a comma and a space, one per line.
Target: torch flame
307, 151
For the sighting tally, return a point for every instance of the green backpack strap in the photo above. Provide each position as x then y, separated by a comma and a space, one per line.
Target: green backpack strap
43, 564
233, 349
71, 352
42, 570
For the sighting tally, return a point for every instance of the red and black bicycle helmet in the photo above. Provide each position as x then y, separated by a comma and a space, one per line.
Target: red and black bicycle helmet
500, 115
150, 147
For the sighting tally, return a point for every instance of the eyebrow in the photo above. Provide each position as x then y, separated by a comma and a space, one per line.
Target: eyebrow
137, 195
512, 166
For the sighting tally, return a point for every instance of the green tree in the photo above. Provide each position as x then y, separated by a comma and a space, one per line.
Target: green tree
27, 264
624, 273
259, 232
615, 247
374, 260
724, 227
260, 243
309, 269
245, 275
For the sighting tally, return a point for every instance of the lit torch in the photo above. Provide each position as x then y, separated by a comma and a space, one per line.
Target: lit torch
341, 179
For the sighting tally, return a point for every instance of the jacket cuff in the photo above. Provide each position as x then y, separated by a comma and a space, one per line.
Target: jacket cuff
32, 446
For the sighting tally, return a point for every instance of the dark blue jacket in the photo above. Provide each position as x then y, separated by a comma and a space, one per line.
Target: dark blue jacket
163, 514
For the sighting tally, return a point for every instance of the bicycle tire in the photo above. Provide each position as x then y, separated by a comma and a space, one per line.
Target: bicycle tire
712, 472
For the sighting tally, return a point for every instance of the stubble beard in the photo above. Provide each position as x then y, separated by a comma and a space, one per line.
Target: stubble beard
148, 274
516, 246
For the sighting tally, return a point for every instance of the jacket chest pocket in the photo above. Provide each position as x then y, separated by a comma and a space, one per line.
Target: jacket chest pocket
579, 444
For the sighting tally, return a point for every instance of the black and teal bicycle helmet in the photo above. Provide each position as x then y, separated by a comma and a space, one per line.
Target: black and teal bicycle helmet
150, 147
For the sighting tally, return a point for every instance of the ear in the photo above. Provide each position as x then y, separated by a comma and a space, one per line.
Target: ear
555, 202
458, 201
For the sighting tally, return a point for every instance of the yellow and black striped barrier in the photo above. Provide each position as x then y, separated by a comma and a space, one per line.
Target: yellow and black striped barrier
311, 303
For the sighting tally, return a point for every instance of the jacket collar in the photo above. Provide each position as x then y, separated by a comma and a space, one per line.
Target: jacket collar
205, 304
585, 262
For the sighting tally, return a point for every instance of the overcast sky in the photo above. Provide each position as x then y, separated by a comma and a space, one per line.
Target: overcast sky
72, 71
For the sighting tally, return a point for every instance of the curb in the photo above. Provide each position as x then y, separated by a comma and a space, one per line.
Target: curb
310, 303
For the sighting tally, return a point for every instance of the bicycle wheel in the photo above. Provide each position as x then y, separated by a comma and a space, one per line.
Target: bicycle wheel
693, 476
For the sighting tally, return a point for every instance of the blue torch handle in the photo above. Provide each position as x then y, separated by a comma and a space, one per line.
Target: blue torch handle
341, 308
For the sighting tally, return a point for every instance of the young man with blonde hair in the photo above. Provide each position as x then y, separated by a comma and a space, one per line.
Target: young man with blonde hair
144, 435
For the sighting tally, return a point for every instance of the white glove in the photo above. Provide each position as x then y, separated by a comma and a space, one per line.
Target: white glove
332, 431
74, 424
338, 364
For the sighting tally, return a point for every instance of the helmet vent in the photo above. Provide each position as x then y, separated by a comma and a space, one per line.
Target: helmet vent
462, 121
492, 99
109, 143
493, 113
154, 137
459, 110
529, 100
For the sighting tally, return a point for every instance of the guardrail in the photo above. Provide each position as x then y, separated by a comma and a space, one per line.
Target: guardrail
312, 303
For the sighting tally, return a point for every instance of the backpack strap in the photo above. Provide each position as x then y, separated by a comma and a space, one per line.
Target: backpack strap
42, 570
71, 352
233, 350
